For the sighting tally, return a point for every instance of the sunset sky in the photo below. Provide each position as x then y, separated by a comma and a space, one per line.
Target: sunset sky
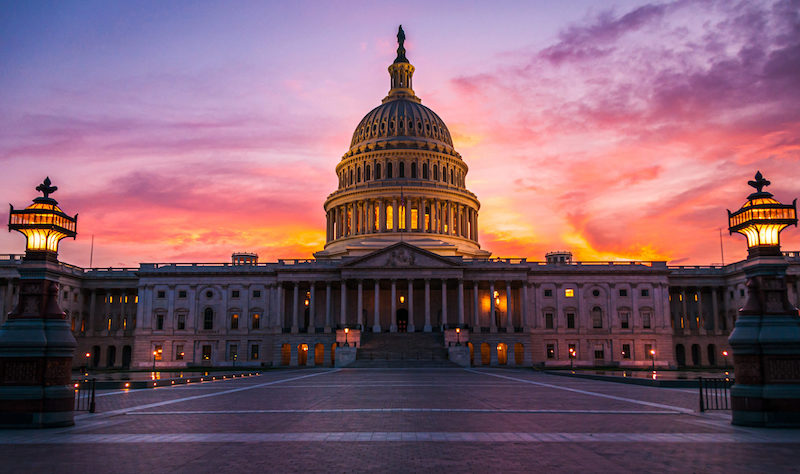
185, 131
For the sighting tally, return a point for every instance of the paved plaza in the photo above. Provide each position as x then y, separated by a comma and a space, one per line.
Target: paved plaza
401, 420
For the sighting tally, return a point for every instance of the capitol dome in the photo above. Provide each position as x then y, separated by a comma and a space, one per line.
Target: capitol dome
401, 122
401, 179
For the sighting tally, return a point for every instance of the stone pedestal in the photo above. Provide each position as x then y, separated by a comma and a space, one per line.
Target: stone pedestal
459, 355
36, 349
345, 356
766, 350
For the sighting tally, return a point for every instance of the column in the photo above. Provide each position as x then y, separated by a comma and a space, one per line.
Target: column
107, 314
327, 306
376, 323
382, 216
450, 220
701, 324
714, 310
492, 322
460, 301
280, 303
523, 318
427, 327
356, 220
444, 303
509, 313
475, 226
407, 207
477, 307
685, 315
395, 216
312, 303
360, 306
327, 226
294, 307
420, 215
92, 309
410, 306
393, 306
343, 306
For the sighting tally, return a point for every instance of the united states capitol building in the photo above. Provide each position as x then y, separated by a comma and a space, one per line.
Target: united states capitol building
402, 275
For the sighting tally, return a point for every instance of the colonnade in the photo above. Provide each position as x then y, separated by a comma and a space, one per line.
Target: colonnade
402, 292
692, 299
395, 215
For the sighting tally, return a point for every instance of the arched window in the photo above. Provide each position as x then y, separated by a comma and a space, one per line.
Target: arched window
358, 178
389, 170
413, 169
424, 170
351, 176
451, 177
208, 319
435, 172
444, 174
401, 170
377, 171
366, 173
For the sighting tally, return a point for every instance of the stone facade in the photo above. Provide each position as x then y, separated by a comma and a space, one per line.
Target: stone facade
248, 315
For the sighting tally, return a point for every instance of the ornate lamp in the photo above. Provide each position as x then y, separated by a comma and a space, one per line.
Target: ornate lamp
43, 223
766, 340
761, 219
36, 343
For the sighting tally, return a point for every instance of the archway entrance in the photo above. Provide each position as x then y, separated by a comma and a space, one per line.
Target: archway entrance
680, 355
402, 320
126, 357
302, 355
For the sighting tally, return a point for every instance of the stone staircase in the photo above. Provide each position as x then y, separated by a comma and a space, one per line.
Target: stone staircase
402, 350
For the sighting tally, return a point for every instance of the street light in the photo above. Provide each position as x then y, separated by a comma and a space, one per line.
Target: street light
653, 358
761, 219
458, 336
346, 331
571, 358
86, 370
154, 360
725, 355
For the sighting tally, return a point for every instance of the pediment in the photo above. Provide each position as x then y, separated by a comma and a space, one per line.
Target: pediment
402, 255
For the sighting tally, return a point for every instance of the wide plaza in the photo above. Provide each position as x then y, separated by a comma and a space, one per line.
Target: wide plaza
400, 420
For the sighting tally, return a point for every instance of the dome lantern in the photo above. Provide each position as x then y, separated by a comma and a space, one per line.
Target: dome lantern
401, 73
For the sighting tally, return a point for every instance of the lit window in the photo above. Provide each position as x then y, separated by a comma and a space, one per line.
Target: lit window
109, 324
110, 299
158, 352
256, 321
235, 321
136, 299
125, 323
569, 292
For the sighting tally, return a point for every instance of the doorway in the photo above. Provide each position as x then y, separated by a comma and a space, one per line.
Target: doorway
402, 320
126, 357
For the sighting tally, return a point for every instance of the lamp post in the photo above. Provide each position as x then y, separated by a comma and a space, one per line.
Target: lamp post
154, 360
765, 341
346, 331
458, 336
36, 342
653, 358
571, 358
725, 356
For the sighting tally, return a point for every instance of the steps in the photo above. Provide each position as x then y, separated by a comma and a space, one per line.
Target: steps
402, 350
